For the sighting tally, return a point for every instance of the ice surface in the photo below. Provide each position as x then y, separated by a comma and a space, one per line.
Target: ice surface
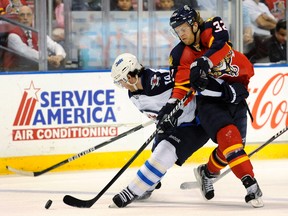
22, 195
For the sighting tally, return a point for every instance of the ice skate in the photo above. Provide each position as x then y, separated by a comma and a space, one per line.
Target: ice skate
254, 192
124, 198
205, 181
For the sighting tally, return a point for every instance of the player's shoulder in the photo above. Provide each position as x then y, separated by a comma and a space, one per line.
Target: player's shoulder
176, 53
211, 21
181, 52
150, 72
156, 81
177, 50
154, 76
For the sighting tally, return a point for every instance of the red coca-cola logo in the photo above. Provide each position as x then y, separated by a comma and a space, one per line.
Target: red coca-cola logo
271, 106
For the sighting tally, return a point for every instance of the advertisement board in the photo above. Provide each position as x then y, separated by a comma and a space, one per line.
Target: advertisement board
268, 103
48, 114
57, 113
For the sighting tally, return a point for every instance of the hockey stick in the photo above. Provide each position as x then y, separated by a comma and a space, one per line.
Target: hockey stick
38, 173
190, 185
72, 201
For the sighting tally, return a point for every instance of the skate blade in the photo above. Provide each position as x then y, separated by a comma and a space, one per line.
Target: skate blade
257, 203
189, 185
198, 177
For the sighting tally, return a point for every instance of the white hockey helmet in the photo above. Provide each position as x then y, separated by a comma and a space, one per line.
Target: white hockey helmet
122, 65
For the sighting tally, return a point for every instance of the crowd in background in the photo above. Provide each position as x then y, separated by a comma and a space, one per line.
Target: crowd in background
266, 19
264, 24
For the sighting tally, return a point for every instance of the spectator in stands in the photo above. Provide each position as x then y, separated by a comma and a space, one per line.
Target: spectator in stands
262, 19
262, 23
122, 5
77, 5
247, 30
95, 5
58, 33
166, 5
277, 43
90, 5
277, 8
176, 3
24, 43
12, 6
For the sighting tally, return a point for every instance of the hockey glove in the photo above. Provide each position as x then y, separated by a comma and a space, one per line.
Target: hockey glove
165, 125
234, 93
198, 73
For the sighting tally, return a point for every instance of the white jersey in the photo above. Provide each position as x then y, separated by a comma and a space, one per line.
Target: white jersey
169, 149
158, 86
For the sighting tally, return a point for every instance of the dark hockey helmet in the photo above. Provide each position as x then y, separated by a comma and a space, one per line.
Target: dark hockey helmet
182, 15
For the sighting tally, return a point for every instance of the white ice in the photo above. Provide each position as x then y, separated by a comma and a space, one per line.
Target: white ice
27, 196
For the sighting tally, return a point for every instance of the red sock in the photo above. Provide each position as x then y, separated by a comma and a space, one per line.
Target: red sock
230, 145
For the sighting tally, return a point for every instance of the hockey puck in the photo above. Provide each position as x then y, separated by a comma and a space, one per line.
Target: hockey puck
48, 204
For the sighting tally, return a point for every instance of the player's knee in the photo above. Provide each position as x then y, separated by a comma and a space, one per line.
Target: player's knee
229, 139
164, 156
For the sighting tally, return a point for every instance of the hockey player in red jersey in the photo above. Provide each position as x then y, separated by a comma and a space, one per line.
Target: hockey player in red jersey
225, 119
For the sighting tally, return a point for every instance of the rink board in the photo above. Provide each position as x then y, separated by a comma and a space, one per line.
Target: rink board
49, 117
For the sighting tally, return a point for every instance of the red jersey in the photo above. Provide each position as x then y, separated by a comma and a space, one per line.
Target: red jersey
181, 57
235, 67
228, 64
214, 39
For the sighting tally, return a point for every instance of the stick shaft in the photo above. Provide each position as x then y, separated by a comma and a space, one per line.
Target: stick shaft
72, 201
74, 157
194, 184
121, 171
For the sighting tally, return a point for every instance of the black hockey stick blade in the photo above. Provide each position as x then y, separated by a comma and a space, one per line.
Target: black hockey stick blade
38, 173
75, 202
194, 184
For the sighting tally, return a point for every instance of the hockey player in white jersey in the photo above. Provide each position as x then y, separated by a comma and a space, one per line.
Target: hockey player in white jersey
150, 90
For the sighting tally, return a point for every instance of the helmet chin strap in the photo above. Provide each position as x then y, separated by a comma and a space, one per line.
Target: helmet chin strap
134, 84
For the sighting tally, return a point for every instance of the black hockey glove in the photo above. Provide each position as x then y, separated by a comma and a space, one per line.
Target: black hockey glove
165, 125
234, 93
198, 73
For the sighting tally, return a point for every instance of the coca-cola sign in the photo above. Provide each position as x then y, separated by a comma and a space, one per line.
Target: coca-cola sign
268, 102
